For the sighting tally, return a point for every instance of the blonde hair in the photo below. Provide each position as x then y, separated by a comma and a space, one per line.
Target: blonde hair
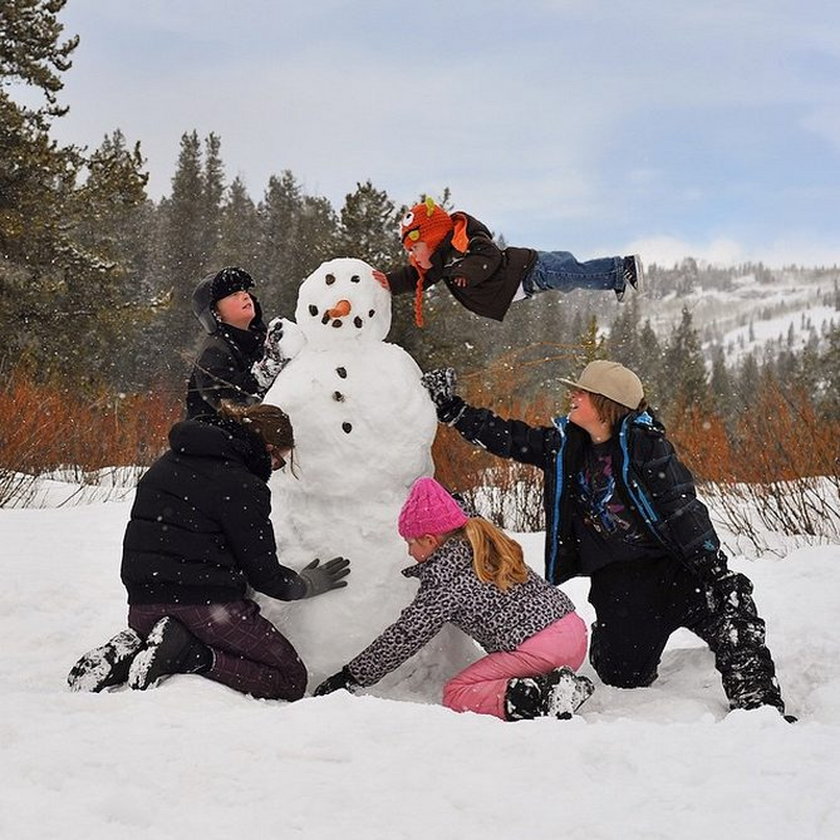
497, 559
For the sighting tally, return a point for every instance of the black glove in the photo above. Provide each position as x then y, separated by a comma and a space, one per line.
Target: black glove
343, 679
440, 383
320, 579
732, 592
267, 369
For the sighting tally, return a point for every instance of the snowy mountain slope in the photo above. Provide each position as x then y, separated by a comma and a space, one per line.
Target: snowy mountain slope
785, 308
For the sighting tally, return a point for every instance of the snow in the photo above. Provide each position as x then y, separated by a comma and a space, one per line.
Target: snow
196, 759
364, 427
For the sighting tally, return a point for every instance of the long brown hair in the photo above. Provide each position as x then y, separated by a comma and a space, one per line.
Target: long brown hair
497, 559
268, 422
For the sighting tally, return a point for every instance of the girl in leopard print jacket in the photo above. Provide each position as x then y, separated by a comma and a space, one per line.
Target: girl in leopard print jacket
473, 575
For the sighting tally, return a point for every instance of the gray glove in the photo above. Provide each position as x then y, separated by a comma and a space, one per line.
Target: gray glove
320, 579
440, 383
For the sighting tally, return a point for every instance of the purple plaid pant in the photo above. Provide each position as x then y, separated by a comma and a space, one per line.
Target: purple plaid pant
250, 654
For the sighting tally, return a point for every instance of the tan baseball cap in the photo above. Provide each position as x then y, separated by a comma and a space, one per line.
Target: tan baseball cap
612, 380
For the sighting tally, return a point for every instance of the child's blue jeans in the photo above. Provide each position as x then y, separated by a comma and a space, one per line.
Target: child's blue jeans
560, 271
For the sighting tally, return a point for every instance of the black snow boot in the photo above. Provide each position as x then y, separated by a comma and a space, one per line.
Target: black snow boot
106, 665
170, 649
633, 274
557, 694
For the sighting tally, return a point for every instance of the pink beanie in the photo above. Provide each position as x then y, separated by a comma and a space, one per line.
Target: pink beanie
429, 509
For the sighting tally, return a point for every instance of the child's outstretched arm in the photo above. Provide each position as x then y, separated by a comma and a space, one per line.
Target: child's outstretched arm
506, 438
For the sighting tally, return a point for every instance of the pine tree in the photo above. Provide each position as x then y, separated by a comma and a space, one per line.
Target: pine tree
317, 235
238, 242
829, 368
213, 190
649, 366
624, 341
112, 225
185, 261
721, 387
279, 215
368, 227
683, 380
60, 279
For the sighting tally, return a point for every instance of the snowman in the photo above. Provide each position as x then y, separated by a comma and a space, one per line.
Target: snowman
363, 426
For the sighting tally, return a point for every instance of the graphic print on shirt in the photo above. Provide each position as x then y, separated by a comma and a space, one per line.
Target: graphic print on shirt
603, 508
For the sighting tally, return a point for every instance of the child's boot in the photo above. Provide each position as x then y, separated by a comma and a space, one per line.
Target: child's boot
557, 694
567, 692
106, 665
633, 274
524, 699
170, 649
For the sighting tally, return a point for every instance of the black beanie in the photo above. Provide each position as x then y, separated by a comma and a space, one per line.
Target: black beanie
213, 288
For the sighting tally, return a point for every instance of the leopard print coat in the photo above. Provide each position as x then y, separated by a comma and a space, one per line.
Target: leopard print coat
451, 592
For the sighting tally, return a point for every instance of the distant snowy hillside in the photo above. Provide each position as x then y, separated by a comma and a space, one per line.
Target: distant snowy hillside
746, 312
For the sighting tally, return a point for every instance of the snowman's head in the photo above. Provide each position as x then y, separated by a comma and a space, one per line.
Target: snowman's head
341, 301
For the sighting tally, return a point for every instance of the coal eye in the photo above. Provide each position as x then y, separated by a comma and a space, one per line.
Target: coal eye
313, 310
330, 278
355, 279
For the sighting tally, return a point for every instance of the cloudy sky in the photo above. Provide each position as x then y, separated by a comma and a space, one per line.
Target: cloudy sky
671, 127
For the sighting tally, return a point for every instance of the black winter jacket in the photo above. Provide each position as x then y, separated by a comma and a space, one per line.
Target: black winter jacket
199, 531
493, 275
657, 484
222, 370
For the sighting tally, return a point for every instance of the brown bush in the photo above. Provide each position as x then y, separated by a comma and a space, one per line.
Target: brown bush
44, 427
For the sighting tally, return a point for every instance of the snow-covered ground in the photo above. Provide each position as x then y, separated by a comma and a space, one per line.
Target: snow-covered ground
195, 759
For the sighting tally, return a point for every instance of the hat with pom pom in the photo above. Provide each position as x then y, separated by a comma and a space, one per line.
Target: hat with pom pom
429, 509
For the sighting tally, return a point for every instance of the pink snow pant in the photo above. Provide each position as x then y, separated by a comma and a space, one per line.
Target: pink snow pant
481, 687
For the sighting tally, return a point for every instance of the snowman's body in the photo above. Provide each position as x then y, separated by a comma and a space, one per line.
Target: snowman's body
363, 426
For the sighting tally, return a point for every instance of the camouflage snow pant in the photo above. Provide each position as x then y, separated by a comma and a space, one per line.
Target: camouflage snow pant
638, 605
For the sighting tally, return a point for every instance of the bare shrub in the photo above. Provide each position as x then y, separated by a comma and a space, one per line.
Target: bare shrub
44, 428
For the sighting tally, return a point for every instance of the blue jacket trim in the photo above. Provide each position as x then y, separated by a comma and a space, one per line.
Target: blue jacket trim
560, 424
637, 494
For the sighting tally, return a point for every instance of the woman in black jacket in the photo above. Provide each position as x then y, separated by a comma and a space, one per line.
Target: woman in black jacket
199, 536
621, 508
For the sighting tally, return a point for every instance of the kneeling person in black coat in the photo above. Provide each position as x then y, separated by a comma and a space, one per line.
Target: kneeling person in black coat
198, 537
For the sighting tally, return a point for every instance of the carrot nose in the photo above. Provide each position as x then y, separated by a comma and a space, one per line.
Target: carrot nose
341, 309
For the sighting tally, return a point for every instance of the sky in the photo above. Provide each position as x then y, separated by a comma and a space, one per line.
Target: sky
592, 126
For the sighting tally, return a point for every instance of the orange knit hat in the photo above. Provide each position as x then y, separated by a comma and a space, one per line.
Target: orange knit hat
425, 222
